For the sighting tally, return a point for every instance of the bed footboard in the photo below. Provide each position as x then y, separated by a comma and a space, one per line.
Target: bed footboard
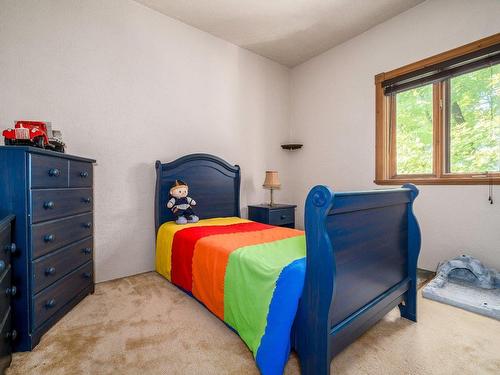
362, 251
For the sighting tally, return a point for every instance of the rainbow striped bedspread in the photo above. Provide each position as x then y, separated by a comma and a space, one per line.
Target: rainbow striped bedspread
248, 274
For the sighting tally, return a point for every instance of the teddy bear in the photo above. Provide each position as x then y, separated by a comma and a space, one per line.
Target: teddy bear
180, 203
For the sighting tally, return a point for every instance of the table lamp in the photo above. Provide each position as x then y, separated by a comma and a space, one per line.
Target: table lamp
271, 182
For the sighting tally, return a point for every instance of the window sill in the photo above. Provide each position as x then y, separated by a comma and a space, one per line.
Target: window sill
441, 181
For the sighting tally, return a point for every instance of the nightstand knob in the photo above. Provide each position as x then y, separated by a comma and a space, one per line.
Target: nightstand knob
283, 217
86, 200
50, 303
87, 275
86, 250
50, 271
88, 225
84, 174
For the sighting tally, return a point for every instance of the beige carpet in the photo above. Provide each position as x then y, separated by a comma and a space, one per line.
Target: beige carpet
144, 325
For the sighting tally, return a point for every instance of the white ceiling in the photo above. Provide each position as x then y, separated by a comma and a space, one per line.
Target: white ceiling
287, 31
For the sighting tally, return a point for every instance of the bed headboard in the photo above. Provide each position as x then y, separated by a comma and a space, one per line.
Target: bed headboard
213, 183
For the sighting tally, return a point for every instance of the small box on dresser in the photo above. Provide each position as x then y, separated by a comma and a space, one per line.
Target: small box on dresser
51, 195
7, 290
281, 215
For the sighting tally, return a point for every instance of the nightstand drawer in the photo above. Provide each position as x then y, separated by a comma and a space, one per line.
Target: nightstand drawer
277, 214
56, 203
52, 267
48, 301
52, 235
282, 217
48, 172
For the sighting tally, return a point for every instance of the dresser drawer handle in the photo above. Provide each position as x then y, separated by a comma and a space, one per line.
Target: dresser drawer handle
12, 248
49, 238
50, 271
49, 205
283, 217
11, 335
87, 275
11, 291
50, 303
54, 172
2, 265
88, 225
87, 250
84, 174
87, 200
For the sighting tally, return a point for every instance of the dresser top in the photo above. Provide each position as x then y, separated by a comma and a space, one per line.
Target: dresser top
36, 150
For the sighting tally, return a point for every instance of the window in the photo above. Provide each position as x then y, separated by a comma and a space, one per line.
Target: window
438, 120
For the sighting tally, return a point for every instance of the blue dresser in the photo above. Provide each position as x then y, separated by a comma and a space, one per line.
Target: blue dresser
51, 195
7, 291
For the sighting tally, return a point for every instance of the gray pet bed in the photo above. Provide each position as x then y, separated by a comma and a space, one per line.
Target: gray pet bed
466, 283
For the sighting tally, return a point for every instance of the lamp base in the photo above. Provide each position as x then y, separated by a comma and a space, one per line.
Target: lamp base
271, 203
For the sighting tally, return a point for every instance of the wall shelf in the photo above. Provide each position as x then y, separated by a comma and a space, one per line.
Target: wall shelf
291, 146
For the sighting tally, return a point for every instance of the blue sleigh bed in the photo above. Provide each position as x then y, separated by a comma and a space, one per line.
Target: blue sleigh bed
362, 251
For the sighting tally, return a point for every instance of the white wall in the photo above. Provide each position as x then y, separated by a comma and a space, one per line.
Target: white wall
127, 86
333, 114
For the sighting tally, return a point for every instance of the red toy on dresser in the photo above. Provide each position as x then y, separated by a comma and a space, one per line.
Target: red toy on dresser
36, 133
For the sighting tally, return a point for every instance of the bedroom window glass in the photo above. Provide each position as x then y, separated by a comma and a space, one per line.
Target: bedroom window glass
413, 131
474, 122
438, 120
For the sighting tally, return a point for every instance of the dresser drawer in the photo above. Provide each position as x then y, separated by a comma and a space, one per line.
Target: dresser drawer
80, 174
47, 302
6, 292
55, 265
48, 171
55, 203
6, 248
281, 217
49, 236
6, 335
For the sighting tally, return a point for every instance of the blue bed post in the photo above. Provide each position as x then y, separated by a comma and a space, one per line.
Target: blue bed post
157, 195
312, 324
408, 310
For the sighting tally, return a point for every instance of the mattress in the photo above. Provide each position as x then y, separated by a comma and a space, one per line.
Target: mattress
250, 275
